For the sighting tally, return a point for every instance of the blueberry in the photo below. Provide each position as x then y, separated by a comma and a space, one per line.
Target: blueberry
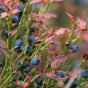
26, 69
22, 48
15, 19
35, 61
1, 64
21, 78
29, 49
14, 78
21, 7
19, 62
60, 74
31, 39
6, 34
24, 37
39, 80
85, 73
73, 85
74, 48
32, 29
18, 42
79, 2
1, 9
24, 1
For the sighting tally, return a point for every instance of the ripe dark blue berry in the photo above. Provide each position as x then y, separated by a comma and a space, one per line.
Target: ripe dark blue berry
21, 78
26, 69
35, 61
80, 2
19, 62
29, 49
22, 48
15, 19
21, 7
18, 42
60, 74
6, 34
39, 80
73, 48
31, 39
24, 1
73, 85
1, 9
14, 78
85, 73
1, 63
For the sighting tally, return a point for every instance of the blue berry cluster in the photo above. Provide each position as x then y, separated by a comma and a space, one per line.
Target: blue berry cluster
1, 9
73, 85
22, 47
73, 47
60, 74
84, 73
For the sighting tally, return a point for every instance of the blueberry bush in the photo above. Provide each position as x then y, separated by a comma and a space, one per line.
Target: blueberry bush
36, 54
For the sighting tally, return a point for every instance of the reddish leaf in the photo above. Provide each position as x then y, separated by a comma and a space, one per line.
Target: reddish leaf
49, 39
47, 16
14, 5
50, 74
61, 58
70, 16
15, 11
35, 1
25, 84
85, 36
81, 24
12, 32
3, 15
1, 31
3, 51
57, 0
2, 43
62, 31
43, 1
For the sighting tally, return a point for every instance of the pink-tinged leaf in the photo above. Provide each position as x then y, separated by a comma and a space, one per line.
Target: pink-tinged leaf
43, 1
70, 16
1, 31
7, 2
61, 58
11, 33
43, 16
62, 31
15, 11
55, 64
35, 1
2, 3
3, 15
4, 51
18, 83
50, 74
14, 5
81, 24
25, 84
57, 0
47, 16
2, 43
49, 39
85, 36
84, 29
